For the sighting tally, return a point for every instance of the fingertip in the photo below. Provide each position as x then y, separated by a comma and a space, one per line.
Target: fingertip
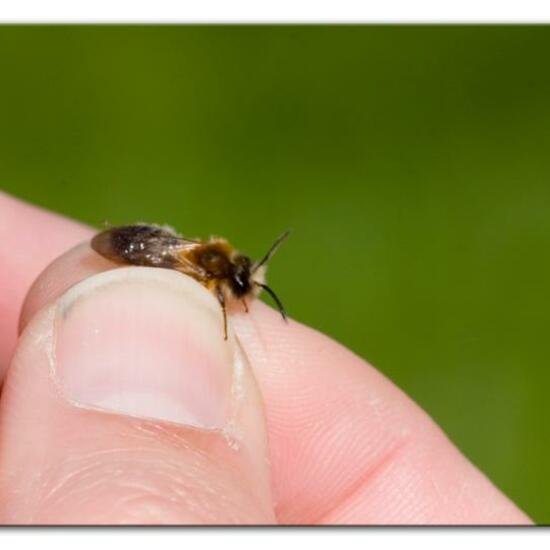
75, 265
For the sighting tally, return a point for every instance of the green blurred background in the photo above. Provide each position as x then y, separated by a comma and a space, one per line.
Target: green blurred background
412, 164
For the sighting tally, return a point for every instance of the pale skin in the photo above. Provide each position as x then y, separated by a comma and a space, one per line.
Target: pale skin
326, 438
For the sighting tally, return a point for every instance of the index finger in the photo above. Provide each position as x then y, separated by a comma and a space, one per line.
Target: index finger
350, 447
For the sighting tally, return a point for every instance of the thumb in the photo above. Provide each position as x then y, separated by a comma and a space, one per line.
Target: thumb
124, 404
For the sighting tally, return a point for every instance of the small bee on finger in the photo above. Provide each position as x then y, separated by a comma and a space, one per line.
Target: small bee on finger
213, 263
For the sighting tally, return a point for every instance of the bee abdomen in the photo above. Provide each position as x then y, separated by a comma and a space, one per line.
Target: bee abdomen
138, 245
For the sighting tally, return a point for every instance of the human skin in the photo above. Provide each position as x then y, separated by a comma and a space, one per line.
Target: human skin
122, 404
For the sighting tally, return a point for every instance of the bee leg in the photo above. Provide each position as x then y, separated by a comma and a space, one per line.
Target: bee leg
221, 300
245, 305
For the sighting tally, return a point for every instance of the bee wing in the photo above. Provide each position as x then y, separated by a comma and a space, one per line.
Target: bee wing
148, 245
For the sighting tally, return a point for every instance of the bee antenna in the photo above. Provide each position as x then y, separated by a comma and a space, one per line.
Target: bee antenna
272, 251
275, 298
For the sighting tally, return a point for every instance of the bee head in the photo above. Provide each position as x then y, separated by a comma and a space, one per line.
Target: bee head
240, 276
246, 277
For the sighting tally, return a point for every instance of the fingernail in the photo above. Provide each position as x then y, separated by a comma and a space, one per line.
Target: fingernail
147, 343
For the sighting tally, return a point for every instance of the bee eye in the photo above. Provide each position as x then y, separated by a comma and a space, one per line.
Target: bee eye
240, 281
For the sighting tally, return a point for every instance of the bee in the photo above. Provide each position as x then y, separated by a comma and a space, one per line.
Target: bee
214, 263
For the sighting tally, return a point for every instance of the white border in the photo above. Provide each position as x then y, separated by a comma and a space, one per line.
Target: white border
272, 539
275, 11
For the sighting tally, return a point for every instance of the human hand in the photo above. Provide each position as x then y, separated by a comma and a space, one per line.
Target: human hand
123, 404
